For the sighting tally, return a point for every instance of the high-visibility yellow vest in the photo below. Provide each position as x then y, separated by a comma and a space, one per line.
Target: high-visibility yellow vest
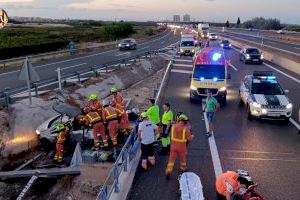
181, 140
93, 117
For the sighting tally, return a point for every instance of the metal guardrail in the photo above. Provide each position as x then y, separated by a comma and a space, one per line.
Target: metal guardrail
5, 95
128, 151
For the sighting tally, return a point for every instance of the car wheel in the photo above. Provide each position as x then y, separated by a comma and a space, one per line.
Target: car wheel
45, 144
286, 120
223, 102
249, 115
241, 103
192, 100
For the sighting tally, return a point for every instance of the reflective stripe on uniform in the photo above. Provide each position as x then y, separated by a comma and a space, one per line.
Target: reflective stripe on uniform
182, 140
109, 115
93, 117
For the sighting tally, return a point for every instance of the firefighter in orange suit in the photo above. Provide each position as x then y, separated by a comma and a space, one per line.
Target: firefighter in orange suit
94, 119
110, 120
63, 132
122, 117
180, 135
94, 105
117, 99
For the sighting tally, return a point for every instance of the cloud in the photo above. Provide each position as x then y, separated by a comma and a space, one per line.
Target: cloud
16, 1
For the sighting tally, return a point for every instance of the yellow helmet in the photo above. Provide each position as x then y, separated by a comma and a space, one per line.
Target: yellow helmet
59, 127
114, 90
93, 97
183, 117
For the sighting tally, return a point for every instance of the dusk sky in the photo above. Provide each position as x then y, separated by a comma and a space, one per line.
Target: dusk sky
142, 10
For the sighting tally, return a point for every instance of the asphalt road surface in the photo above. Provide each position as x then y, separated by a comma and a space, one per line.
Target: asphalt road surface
47, 70
269, 150
287, 47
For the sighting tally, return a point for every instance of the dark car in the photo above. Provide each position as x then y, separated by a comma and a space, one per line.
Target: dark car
127, 44
251, 55
225, 44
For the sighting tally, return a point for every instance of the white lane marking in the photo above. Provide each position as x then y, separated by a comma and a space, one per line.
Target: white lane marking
183, 60
295, 123
82, 57
257, 152
232, 66
283, 73
181, 71
73, 66
297, 47
213, 149
59, 62
143, 48
262, 159
121, 54
182, 65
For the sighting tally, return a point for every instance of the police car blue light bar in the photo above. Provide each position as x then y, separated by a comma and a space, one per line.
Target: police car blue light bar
216, 56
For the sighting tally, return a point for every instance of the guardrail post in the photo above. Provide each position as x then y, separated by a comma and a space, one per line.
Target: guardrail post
106, 68
94, 69
116, 177
36, 89
59, 78
78, 76
125, 158
104, 192
6, 96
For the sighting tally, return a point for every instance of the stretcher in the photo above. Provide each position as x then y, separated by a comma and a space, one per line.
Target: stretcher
190, 187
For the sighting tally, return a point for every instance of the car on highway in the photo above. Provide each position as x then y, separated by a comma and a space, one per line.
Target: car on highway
251, 55
127, 44
209, 74
213, 36
264, 97
225, 44
187, 46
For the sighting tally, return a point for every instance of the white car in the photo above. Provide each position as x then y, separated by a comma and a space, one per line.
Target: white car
264, 97
213, 36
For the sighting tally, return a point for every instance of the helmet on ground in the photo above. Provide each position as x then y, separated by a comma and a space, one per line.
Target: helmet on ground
103, 157
183, 117
144, 115
59, 127
114, 90
93, 97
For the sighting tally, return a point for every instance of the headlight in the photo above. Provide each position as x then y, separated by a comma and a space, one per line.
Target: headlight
247, 56
264, 111
261, 56
181, 50
127, 45
222, 45
256, 105
119, 45
38, 132
222, 89
289, 106
230, 45
193, 50
193, 87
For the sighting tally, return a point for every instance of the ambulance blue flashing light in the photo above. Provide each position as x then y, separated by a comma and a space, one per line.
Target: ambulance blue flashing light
215, 79
216, 56
201, 78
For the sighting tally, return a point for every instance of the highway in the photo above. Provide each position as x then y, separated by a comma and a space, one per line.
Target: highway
269, 150
70, 64
258, 39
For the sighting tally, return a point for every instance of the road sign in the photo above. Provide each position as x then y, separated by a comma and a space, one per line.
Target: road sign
72, 47
28, 74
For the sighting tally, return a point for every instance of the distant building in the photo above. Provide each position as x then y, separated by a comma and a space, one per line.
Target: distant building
186, 18
176, 18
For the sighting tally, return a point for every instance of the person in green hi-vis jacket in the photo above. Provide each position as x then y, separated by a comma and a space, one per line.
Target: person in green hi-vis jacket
153, 114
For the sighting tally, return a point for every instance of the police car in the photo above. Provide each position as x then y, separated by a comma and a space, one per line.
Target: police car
264, 97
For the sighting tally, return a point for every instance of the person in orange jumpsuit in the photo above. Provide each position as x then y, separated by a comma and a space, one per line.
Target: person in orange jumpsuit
227, 184
110, 120
94, 105
123, 120
63, 132
94, 119
117, 99
180, 135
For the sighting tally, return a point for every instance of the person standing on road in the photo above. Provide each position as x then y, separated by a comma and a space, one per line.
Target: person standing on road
62, 134
146, 133
167, 120
211, 106
180, 135
153, 115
